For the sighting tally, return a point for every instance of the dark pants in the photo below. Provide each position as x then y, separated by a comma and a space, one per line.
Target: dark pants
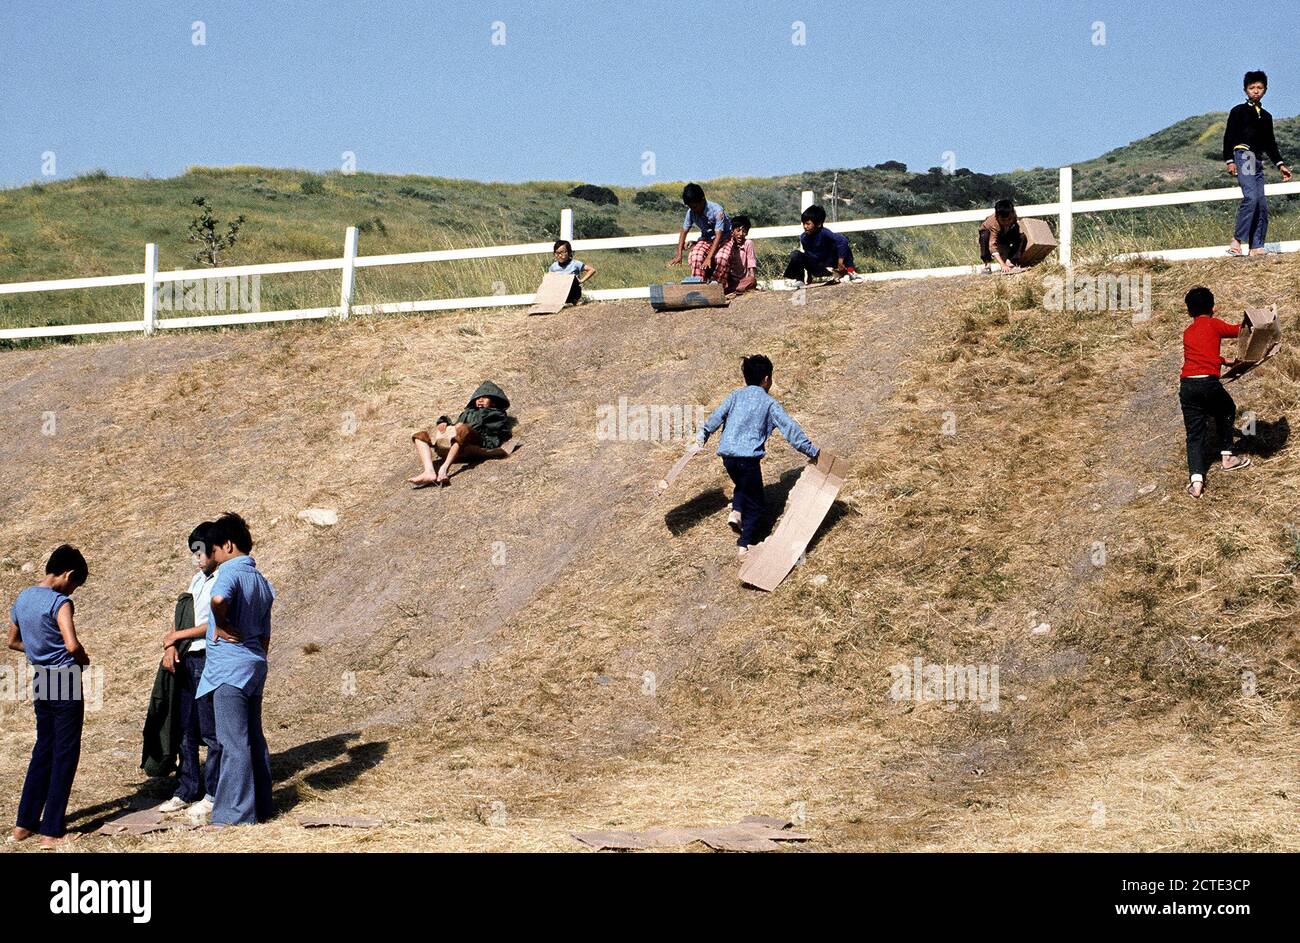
44, 803
198, 725
1202, 399
244, 788
1252, 215
801, 262
1010, 244
747, 475
575, 293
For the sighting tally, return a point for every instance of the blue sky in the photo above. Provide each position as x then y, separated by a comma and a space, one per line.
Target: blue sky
579, 91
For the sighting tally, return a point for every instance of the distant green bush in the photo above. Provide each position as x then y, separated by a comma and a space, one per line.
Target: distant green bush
597, 226
652, 199
601, 196
312, 186
415, 193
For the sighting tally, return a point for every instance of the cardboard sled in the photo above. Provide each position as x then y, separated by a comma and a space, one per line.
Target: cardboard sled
674, 297
679, 466
552, 294
1039, 241
768, 563
1260, 339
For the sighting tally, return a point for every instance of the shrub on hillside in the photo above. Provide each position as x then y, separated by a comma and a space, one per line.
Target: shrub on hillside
312, 186
601, 196
597, 226
652, 199
765, 206
415, 193
892, 165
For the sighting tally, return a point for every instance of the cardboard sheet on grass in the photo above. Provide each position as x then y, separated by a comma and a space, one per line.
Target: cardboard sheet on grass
679, 466
674, 297
752, 833
552, 294
1039, 241
1260, 339
143, 822
811, 498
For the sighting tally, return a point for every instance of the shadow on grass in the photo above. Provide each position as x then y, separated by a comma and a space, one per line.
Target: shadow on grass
1269, 438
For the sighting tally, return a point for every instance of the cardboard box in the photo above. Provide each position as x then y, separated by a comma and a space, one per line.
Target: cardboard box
768, 563
552, 294
1260, 339
673, 297
1039, 241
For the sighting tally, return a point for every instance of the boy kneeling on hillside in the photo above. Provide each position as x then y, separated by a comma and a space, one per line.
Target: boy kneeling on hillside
1201, 394
481, 426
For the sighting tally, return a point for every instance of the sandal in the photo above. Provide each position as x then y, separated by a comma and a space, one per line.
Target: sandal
1235, 253
1191, 488
1244, 463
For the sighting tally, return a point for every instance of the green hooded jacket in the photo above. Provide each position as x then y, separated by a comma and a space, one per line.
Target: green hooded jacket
491, 424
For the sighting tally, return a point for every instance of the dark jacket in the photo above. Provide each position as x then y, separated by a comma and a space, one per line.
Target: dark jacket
491, 424
1253, 129
162, 728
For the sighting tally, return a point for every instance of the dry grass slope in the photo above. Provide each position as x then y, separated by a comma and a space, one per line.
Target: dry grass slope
525, 684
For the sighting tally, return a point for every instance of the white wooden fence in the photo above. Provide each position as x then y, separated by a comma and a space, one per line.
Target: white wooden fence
1064, 209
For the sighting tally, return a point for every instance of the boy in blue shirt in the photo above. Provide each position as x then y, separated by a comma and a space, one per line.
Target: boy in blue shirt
566, 264
239, 638
41, 626
710, 256
195, 714
748, 416
821, 252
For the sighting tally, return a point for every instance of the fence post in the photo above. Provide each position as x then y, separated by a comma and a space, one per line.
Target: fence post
150, 287
805, 200
349, 272
566, 225
1066, 229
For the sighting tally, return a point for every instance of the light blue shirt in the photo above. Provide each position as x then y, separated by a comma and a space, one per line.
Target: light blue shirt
201, 590
748, 416
248, 597
36, 612
574, 268
710, 221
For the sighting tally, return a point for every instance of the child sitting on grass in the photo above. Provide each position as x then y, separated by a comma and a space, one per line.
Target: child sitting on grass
710, 256
41, 627
566, 264
1200, 393
742, 275
481, 426
748, 416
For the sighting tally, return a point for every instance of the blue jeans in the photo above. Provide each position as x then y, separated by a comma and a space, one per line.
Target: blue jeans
44, 803
1252, 215
244, 784
747, 475
198, 724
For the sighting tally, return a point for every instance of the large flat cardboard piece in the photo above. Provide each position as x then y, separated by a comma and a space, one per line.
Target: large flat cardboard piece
552, 294
674, 297
1039, 241
679, 466
1260, 339
768, 563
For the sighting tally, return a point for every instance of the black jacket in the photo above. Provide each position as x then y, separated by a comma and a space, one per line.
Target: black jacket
162, 727
1253, 129
492, 424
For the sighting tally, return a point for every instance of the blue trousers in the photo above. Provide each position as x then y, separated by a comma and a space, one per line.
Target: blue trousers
244, 783
1252, 215
44, 803
198, 725
747, 475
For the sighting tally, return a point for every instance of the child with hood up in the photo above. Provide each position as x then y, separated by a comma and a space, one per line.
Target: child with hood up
481, 426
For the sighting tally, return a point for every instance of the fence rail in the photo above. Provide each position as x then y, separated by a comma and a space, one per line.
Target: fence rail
1064, 209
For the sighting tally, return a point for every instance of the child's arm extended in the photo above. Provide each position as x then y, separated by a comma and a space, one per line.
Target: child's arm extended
714, 246
716, 418
15, 639
681, 246
69, 632
790, 429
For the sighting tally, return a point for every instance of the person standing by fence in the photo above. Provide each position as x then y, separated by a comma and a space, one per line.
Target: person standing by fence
1247, 138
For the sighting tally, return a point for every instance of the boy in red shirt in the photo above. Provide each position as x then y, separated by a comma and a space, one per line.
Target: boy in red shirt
1200, 393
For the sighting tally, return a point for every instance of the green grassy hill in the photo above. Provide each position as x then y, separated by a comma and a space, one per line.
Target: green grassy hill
98, 225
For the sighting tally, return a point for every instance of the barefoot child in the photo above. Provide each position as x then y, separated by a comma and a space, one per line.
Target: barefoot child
482, 425
566, 264
742, 276
1201, 394
710, 256
748, 416
41, 626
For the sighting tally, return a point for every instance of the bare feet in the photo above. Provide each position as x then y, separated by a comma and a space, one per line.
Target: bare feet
22, 834
424, 479
1196, 488
1259, 252
49, 842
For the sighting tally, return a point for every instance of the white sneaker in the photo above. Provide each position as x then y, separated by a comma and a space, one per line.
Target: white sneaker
200, 812
742, 552
174, 804
733, 521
